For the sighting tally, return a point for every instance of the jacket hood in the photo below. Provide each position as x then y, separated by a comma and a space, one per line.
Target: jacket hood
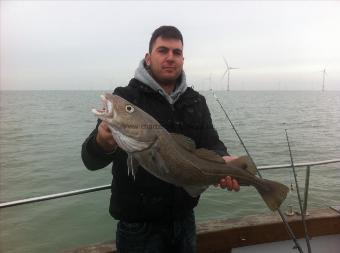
143, 75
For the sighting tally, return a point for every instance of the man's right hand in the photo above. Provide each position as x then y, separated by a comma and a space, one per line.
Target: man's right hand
105, 139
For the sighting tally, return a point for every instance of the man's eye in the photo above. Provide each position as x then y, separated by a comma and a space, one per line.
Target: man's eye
162, 50
177, 52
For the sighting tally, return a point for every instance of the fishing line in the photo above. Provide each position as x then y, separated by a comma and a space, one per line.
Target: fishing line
290, 211
291, 182
287, 226
298, 194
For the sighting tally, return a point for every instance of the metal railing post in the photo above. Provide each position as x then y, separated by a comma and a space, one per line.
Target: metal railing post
306, 189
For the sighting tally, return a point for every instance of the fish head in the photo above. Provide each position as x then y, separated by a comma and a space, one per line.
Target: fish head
132, 128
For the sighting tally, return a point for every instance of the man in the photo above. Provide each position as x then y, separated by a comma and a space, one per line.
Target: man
155, 216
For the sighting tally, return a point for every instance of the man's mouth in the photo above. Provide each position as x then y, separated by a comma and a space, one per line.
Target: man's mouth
169, 67
169, 70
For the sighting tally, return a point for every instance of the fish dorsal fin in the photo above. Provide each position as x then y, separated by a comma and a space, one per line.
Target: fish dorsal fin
184, 141
208, 155
244, 162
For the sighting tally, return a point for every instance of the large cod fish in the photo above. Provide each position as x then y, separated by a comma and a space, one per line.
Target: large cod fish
174, 158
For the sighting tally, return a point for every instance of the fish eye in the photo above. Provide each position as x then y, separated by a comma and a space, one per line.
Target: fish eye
129, 108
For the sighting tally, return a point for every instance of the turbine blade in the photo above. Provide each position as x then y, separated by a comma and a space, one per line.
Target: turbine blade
226, 63
225, 72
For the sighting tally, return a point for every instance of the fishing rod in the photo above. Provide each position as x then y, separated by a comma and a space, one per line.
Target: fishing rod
288, 228
298, 195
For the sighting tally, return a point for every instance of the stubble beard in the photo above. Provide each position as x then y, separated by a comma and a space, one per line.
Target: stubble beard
166, 81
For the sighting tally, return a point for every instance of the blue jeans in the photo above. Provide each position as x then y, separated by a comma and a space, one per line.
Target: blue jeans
157, 237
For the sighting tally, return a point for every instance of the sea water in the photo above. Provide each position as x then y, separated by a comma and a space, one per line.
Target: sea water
41, 133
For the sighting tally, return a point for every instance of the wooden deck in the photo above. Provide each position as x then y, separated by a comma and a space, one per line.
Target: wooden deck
219, 236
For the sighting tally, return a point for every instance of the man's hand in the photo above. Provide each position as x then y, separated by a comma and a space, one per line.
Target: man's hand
228, 182
105, 139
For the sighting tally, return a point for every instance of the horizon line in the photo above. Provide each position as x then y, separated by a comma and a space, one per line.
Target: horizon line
197, 90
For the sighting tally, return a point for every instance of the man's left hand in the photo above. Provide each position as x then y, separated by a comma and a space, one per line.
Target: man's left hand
228, 182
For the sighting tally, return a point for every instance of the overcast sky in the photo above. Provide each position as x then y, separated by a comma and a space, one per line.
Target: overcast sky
98, 44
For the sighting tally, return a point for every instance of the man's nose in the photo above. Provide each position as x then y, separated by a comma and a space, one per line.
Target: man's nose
170, 56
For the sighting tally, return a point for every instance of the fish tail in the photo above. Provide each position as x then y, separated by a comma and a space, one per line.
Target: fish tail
273, 193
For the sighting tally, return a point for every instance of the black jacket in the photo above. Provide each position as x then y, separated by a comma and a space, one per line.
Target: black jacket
146, 197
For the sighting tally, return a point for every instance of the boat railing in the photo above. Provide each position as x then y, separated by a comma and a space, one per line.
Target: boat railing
307, 165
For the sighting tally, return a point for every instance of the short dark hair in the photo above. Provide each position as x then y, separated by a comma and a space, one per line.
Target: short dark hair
166, 32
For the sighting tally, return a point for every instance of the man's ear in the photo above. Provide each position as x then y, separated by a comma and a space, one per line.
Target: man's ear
147, 59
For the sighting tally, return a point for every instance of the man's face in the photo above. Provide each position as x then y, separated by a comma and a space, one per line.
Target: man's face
166, 60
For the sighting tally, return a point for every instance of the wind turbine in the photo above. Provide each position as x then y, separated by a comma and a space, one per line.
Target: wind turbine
227, 71
323, 79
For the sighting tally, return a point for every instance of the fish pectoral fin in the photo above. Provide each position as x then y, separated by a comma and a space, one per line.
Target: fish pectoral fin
132, 165
208, 155
195, 191
244, 162
184, 142
158, 160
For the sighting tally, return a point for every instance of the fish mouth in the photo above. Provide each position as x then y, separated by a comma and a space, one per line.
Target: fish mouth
128, 143
107, 111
